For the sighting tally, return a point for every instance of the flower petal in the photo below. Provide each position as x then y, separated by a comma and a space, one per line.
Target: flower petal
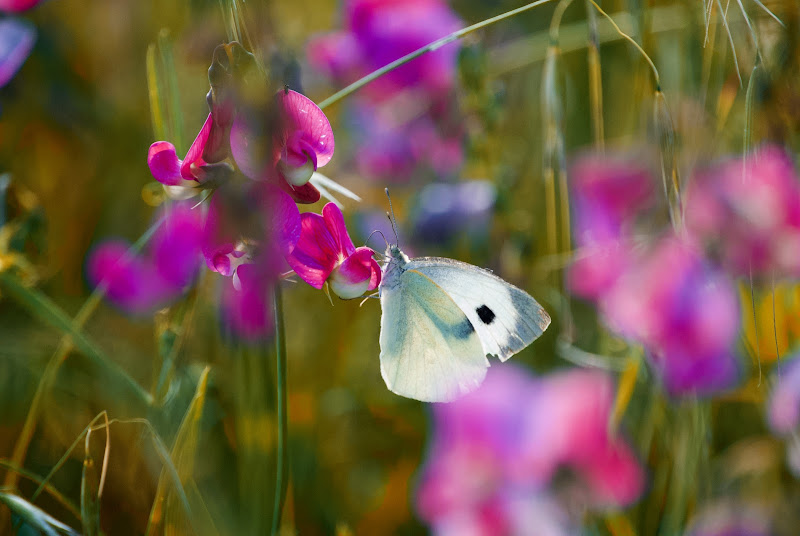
246, 311
316, 253
306, 194
164, 164
190, 168
335, 222
16, 42
282, 219
355, 275
302, 119
17, 6
176, 245
131, 282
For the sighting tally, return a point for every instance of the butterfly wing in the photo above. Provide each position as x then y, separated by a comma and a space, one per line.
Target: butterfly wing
506, 318
429, 348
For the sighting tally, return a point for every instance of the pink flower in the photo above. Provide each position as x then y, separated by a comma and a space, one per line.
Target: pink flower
747, 210
16, 42
608, 195
502, 445
238, 218
141, 283
571, 430
325, 253
381, 31
17, 6
301, 142
684, 312
167, 169
406, 119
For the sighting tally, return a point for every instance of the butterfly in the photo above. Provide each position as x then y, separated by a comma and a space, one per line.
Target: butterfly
442, 318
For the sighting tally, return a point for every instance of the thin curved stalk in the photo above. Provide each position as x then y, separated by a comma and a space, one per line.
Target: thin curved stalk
455, 36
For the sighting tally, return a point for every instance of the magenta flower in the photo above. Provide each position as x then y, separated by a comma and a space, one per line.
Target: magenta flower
325, 253
608, 195
302, 142
502, 445
141, 283
180, 176
239, 218
381, 31
684, 312
18, 6
405, 118
747, 210
16, 42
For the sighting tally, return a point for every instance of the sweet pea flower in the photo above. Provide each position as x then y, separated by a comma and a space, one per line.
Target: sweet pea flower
377, 32
684, 312
18, 6
747, 210
608, 195
300, 139
240, 216
325, 254
141, 283
16, 42
405, 119
501, 446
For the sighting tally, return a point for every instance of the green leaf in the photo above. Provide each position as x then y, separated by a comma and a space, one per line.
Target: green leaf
35, 516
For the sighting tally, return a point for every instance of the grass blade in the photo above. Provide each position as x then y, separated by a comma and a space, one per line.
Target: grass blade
165, 512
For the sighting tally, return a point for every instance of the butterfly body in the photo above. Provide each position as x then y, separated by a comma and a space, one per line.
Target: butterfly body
440, 321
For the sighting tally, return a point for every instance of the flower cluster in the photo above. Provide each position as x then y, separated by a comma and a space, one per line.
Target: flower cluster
495, 455
258, 163
405, 117
665, 295
746, 210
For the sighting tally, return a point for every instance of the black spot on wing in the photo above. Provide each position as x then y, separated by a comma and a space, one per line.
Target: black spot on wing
485, 314
463, 330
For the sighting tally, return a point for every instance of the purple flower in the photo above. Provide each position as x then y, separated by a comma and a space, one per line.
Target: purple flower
447, 211
325, 253
685, 314
747, 210
501, 445
16, 42
141, 283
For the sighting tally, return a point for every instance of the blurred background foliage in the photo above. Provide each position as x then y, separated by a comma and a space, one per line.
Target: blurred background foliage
75, 124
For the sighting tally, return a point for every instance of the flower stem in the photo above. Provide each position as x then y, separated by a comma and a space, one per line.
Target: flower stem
281, 477
455, 36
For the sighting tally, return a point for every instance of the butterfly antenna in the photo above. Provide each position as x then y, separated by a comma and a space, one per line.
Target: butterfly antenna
377, 231
392, 219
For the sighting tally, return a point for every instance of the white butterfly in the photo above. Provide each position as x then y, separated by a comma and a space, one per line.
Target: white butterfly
440, 320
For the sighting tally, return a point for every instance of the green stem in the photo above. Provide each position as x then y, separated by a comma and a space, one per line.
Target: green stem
281, 477
455, 36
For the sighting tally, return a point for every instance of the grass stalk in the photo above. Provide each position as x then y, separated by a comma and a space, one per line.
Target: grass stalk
455, 36
281, 476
